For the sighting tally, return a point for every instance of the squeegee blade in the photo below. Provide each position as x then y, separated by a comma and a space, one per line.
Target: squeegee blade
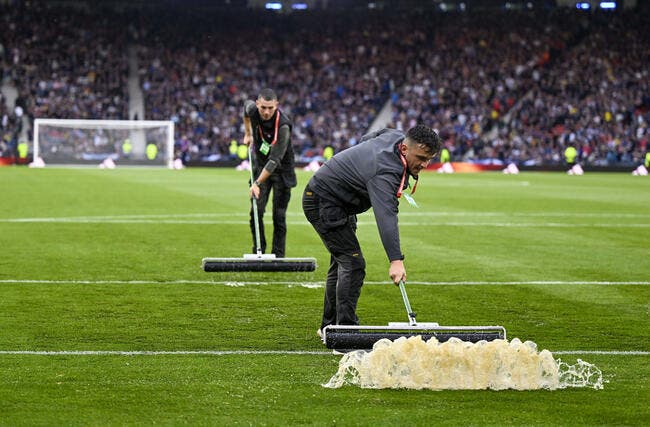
256, 264
364, 337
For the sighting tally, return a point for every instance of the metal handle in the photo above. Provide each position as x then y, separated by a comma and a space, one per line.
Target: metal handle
254, 202
410, 313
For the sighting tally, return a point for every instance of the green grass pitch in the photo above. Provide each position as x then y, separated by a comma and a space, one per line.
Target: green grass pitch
102, 269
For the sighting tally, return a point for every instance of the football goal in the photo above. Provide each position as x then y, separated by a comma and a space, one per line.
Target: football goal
90, 142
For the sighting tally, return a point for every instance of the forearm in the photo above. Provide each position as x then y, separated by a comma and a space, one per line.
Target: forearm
278, 150
249, 108
248, 129
385, 207
389, 234
263, 176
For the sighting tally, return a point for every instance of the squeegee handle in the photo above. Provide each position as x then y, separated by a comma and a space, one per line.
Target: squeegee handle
258, 244
409, 311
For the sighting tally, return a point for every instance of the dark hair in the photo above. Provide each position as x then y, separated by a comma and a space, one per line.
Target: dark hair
426, 136
268, 95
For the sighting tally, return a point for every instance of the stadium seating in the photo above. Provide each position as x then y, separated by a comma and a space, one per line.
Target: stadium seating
502, 87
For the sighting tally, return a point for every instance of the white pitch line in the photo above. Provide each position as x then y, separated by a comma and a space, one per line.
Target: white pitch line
516, 283
105, 220
173, 282
244, 215
159, 353
130, 221
319, 284
523, 224
530, 214
258, 352
605, 352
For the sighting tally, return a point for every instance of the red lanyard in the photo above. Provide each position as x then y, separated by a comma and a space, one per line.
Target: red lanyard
277, 126
401, 184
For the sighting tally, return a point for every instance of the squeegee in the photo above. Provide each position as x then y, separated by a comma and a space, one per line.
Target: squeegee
356, 337
258, 261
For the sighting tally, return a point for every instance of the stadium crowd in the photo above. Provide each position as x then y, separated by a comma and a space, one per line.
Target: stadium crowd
514, 86
65, 65
330, 76
526, 94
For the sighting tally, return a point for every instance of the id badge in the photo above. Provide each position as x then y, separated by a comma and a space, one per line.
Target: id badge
411, 200
265, 147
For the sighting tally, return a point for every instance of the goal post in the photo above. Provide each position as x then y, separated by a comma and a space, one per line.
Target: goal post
90, 142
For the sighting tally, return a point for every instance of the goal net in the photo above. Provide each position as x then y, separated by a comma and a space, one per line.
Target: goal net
90, 142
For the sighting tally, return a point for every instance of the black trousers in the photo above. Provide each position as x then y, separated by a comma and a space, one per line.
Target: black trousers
347, 267
281, 197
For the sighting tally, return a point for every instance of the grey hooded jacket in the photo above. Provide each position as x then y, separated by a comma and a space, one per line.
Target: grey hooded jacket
364, 176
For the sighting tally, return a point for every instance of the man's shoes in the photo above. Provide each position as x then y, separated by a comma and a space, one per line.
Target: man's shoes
319, 332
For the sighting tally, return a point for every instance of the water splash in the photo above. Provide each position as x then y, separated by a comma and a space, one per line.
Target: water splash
453, 365
582, 374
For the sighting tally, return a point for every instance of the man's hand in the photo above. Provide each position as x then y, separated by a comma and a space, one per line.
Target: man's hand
255, 191
248, 140
396, 271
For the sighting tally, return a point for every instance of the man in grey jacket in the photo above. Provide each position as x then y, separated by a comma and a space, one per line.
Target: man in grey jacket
374, 173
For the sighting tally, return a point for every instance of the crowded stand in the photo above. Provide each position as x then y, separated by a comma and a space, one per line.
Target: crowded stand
525, 94
331, 76
594, 96
474, 77
501, 87
66, 64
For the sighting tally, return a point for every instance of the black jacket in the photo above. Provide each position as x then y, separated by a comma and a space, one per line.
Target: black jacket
280, 158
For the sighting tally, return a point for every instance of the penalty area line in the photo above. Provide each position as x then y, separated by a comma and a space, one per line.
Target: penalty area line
319, 284
257, 353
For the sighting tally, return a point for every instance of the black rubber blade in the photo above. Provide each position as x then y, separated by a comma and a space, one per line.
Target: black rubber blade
350, 340
240, 264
